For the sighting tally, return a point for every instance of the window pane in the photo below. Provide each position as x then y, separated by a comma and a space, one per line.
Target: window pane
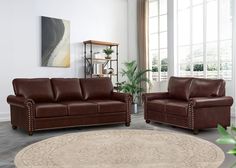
198, 70
155, 63
183, 4
164, 64
185, 70
212, 70
226, 70
212, 21
153, 8
163, 7
184, 55
226, 51
153, 41
184, 27
193, 52
211, 52
153, 55
225, 19
153, 25
185, 67
196, 2
197, 24
163, 40
197, 53
163, 23
163, 56
158, 39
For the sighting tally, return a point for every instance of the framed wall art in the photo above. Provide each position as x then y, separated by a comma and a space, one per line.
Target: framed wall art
55, 42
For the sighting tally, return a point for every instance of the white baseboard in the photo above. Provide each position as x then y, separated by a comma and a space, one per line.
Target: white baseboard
4, 116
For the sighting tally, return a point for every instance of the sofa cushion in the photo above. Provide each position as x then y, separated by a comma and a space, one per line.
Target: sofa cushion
207, 88
81, 108
179, 88
109, 106
66, 89
96, 88
40, 89
157, 105
44, 110
176, 107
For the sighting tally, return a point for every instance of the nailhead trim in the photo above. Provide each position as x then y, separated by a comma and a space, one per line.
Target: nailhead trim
191, 114
29, 109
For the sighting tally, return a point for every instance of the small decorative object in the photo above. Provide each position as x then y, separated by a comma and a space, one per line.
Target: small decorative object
108, 53
55, 42
133, 84
98, 58
110, 70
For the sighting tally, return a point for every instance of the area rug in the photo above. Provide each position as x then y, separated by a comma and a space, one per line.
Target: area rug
121, 149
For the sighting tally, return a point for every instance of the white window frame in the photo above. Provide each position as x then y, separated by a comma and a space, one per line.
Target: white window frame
159, 45
204, 43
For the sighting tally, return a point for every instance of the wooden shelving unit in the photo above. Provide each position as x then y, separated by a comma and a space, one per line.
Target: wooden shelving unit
90, 61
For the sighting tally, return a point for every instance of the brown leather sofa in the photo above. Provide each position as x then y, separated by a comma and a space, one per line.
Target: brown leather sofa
43, 103
191, 103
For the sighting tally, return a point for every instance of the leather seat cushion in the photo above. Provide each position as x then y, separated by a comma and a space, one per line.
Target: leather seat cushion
106, 106
44, 110
177, 107
170, 106
81, 108
157, 105
66, 89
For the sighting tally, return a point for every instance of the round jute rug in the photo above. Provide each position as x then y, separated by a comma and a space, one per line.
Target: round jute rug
121, 149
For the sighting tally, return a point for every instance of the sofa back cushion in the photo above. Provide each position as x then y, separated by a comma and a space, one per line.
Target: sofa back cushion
179, 87
66, 89
38, 89
207, 87
96, 88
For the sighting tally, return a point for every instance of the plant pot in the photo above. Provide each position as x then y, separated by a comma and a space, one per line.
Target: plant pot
134, 108
107, 57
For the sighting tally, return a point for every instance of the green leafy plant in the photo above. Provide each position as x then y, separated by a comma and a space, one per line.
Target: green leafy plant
228, 138
108, 52
134, 79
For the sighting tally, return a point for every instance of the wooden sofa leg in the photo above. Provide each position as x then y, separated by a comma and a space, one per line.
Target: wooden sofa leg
148, 121
195, 131
30, 133
127, 124
14, 127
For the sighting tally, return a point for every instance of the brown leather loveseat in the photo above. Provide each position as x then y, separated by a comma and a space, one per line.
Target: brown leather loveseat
192, 103
43, 103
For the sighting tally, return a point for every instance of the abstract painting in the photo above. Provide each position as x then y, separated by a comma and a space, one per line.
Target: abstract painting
55, 42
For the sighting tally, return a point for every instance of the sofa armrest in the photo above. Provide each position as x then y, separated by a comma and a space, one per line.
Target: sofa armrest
18, 101
124, 97
211, 102
157, 95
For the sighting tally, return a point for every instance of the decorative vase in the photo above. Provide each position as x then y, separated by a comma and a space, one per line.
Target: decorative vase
135, 108
110, 70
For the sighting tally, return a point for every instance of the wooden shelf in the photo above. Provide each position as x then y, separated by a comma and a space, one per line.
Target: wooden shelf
103, 59
95, 67
100, 75
94, 42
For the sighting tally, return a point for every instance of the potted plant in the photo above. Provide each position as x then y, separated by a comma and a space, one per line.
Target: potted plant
108, 52
228, 138
133, 83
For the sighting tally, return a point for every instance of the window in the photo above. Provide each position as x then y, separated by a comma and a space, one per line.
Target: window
204, 38
158, 39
